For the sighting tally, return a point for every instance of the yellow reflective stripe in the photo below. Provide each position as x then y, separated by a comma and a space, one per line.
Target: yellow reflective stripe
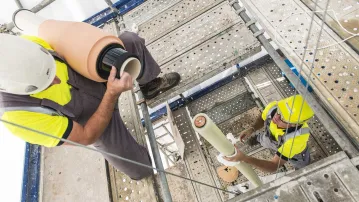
53, 125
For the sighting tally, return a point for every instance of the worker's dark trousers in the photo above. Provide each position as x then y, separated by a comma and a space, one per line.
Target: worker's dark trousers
117, 139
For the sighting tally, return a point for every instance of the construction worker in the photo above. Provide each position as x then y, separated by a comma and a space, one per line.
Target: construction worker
54, 99
287, 134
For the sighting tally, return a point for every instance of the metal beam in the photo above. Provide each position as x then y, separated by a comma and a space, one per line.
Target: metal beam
114, 9
42, 5
18, 3
342, 139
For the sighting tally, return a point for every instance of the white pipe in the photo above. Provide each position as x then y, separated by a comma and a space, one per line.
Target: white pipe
27, 22
209, 131
131, 66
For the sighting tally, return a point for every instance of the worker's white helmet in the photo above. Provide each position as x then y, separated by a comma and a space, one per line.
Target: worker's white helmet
25, 67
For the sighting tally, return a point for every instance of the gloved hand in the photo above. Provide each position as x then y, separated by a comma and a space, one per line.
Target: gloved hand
246, 133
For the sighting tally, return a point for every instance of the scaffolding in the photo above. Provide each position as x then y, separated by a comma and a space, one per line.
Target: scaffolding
269, 50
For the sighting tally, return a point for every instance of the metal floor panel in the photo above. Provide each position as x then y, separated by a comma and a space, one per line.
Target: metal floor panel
146, 11
193, 33
195, 161
231, 108
335, 70
208, 59
174, 17
220, 95
122, 187
331, 179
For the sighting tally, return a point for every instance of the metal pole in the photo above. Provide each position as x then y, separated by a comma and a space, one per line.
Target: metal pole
117, 13
340, 137
168, 132
35, 9
155, 151
18, 3
115, 10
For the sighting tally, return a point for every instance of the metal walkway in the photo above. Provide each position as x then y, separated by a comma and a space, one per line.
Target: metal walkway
200, 39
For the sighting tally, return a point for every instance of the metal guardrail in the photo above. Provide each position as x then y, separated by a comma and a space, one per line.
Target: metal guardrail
105, 15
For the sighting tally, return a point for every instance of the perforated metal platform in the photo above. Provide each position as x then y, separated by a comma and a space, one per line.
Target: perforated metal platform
146, 11
201, 48
173, 17
331, 179
335, 70
193, 33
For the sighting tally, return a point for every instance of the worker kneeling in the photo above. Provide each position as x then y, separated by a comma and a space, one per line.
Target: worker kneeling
39, 90
287, 133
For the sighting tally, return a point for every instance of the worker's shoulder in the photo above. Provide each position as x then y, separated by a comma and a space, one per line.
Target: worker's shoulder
38, 41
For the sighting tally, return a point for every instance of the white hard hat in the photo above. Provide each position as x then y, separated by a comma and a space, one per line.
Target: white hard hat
25, 67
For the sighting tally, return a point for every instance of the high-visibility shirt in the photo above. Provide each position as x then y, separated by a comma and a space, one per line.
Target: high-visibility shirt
58, 126
292, 146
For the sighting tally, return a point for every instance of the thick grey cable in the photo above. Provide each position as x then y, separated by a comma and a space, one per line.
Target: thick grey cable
112, 155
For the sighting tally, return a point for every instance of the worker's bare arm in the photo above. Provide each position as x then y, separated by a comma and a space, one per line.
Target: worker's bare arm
98, 122
264, 165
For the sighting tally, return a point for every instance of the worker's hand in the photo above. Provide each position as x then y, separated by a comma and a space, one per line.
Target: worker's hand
246, 133
239, 157
117, 86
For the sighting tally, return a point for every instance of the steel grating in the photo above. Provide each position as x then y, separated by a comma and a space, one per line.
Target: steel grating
122, 187
320, 134
194, 159
332, 179
220, 95
265, 88
208, 59
231, 108
193, 33
335, 67
146, 11
126, 189
174, 17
